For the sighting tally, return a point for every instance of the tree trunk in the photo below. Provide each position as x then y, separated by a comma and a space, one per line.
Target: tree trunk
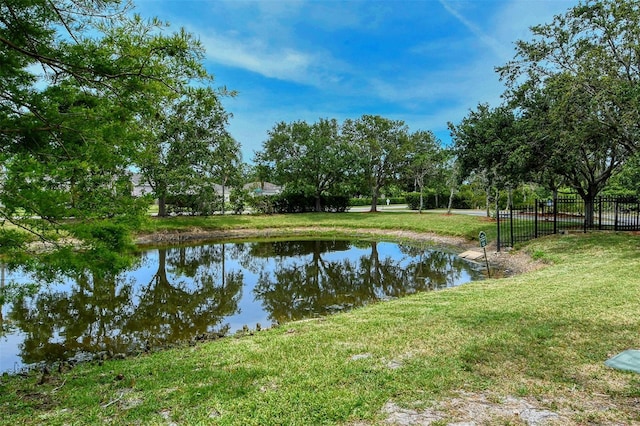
318, 207
162, 206
589, 209
374, 199
421, 201
450, 201
488, 201
223, 199
589, 199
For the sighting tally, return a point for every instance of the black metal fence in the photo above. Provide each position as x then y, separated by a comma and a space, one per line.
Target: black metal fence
567, 213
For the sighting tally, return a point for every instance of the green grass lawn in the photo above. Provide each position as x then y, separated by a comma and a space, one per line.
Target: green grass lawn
450, 225
540, 337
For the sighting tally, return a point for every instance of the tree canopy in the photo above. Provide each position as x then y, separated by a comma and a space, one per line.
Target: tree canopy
382, 147
188, 149
572, 110
77, 80
487, 144
311, 159
425, 160
576, 84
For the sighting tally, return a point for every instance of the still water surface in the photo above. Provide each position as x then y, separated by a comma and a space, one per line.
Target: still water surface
181, 294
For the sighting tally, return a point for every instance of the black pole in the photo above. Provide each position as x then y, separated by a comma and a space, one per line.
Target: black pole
535, 218
584, 208
498, 224
599, 214
555, 215
511, 223
487, 262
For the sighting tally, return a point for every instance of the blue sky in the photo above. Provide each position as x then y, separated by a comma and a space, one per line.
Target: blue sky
426, 62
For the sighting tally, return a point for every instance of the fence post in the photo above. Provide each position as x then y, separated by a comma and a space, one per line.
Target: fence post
535, 218
599, 213
615, 221
498, 223
511, 225
555, 215
584, 209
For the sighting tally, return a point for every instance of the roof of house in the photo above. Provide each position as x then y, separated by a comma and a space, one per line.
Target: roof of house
265, 186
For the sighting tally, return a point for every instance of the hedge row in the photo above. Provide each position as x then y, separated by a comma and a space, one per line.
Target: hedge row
298, 203
193, 204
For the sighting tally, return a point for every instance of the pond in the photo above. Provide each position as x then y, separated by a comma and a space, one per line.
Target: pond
179, 295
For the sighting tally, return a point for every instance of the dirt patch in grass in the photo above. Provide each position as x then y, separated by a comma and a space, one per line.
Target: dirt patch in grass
198, 234
476, 409
510, 263
486, 408
37, 400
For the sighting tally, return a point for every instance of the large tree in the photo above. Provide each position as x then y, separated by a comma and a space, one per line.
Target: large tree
568, 141
308, 158
188, 147
221, 164
425, 159
487, 145
577, 82
383, 149
77, 79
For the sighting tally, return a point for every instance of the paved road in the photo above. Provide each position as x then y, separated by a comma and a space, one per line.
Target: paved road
382, 208
471, 212
404, 208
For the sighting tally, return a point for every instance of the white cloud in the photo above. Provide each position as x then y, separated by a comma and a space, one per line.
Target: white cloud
276, 59
498, 48
428, 80
257, 56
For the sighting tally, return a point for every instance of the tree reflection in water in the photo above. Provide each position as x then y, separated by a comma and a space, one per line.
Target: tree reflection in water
301, 286
178, 294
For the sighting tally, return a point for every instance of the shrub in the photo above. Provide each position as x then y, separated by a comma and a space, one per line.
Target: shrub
205, 203
182, 203
261, 204
335, 203
239, 199
413, 200
364, 201
298, 203
428, 199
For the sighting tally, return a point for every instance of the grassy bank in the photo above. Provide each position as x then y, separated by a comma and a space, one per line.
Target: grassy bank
450, 225
536, 341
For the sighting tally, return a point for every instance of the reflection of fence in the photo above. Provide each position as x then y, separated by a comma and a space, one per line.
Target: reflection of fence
546, 217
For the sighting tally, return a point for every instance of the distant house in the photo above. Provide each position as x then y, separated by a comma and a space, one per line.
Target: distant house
262, 188
140, 185
218, 190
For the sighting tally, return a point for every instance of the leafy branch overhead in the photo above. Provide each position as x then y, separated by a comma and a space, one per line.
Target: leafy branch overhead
573, 90
79, 83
